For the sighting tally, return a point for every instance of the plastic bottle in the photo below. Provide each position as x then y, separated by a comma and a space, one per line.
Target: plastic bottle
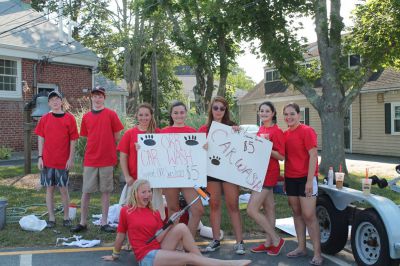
330, 176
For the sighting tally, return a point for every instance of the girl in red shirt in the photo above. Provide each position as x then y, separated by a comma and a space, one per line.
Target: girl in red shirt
269, 130
301, 172
128, 144
140, 221
219, 112
177, 117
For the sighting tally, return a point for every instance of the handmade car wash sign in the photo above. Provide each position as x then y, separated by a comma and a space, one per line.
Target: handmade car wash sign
237, 157
172, 160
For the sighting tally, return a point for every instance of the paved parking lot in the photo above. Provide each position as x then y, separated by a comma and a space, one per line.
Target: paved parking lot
74, 256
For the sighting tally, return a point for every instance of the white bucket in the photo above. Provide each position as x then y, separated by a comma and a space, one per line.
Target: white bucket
72, 212
206, 231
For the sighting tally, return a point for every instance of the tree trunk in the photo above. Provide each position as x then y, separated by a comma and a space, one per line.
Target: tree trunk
154, 84
223, 66
209, 90
198, 90
332, 153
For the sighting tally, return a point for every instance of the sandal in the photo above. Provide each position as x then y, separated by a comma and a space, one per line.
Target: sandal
317, 261
296, 254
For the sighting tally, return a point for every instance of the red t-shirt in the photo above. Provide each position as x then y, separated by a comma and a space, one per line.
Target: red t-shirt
99, 128
203, 129
127, 146
297, 144
278, 144
57, 132
140, 224
184, 129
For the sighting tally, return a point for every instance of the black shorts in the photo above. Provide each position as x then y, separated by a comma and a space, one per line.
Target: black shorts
50, 177
296, 186
212, 179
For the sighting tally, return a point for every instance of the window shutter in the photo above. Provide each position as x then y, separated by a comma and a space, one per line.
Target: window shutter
307, 116
388, 118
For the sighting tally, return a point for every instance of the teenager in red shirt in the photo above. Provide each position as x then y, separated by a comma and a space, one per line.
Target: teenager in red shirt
219, 112
140, 221
101, 126
269, 130
57, 134
177, 117
301, 172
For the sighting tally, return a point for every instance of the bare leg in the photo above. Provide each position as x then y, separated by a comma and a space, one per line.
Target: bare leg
215, 189
269, 208
65, 201
231, 193
253, 209
299, 225
172, 198
84, 207
50, 202
181, 234
105, 205
308, 206
196, 210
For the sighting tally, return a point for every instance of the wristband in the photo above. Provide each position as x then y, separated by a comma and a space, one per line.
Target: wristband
40, 156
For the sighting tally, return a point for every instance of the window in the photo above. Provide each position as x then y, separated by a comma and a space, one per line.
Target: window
395, 117
392, 118
46, 88
272, 75
10, 81
354, 60
304, 115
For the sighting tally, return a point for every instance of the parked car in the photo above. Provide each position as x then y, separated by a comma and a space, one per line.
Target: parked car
249, 128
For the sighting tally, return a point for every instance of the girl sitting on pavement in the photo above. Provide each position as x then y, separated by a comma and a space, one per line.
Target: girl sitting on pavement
140, 221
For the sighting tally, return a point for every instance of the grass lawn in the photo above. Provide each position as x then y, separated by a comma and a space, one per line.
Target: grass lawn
11, 171
13, 236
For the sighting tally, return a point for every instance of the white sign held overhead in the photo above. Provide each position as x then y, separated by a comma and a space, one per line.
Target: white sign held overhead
237, 157
172, 160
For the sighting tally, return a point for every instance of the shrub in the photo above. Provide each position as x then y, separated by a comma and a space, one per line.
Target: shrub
5, 153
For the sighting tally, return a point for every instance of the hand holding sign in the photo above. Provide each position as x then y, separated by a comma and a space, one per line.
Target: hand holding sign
237, 157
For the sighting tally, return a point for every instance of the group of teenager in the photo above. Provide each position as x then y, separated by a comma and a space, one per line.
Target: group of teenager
139, 220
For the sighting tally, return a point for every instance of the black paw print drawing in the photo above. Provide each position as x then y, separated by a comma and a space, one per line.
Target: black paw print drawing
148, 140
215, 160
191, 140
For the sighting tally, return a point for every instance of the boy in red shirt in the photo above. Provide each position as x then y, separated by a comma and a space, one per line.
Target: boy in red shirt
57, 134
101, 126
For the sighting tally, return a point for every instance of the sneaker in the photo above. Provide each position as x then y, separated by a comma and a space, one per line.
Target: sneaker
107, 228
239, 248
67, 223
275, 250
78, 228
260, 249
212, 246
50, 224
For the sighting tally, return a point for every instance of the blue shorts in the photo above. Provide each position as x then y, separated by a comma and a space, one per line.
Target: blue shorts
50, 177
148, 260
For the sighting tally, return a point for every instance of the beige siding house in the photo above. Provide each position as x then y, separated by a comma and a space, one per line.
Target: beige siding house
372, 125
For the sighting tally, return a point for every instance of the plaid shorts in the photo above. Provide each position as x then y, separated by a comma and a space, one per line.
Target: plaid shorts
50, 177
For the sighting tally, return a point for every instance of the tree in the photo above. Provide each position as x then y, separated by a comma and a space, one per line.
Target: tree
273, 23
203, 33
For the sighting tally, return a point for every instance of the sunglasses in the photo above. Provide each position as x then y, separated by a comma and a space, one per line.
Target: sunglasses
216, 108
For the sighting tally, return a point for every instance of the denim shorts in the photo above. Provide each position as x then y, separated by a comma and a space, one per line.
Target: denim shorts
148, 260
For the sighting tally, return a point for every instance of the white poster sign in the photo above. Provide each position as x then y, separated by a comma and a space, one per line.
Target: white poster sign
237, 157
172, 160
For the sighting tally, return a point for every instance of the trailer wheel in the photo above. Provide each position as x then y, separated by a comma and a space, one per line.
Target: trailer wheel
369, 241
333, 226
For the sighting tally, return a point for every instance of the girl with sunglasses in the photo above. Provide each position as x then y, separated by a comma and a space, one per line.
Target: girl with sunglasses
177, 117
219, 112
269, 130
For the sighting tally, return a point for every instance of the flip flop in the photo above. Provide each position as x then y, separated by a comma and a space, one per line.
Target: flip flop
316, 262
296, 254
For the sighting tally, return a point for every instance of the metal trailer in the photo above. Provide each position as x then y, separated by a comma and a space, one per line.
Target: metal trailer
375, 229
